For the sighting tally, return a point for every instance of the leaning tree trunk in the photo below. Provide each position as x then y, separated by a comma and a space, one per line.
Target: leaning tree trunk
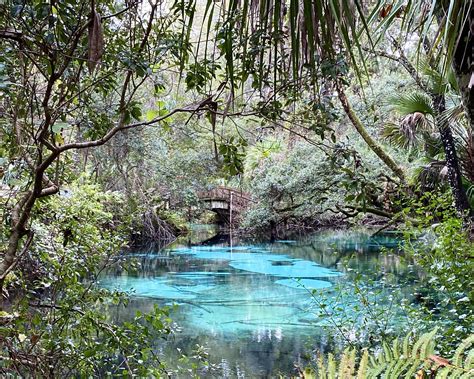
373, 145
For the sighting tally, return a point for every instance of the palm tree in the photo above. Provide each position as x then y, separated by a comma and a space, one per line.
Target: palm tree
273, 41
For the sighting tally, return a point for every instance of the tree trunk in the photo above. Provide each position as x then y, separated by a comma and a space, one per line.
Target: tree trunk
463, 64
373, 145
452, 162
463, 61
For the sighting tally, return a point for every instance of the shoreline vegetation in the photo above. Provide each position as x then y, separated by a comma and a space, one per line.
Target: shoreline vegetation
127, 122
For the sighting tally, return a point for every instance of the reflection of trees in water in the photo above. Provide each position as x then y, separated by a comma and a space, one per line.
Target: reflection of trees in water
259, 351
346, 251
261, 347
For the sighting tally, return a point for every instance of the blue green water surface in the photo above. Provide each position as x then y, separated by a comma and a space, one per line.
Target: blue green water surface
252, 305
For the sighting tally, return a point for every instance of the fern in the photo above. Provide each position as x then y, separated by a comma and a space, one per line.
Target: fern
402, 359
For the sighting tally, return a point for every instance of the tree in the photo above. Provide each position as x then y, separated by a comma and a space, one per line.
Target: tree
436, 85
306, 45
70, 75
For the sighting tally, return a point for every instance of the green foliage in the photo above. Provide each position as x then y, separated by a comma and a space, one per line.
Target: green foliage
233, 153
402, 359
412, 103
57, 89
60, 322
176, 219
260, 151
440, 244
200, 74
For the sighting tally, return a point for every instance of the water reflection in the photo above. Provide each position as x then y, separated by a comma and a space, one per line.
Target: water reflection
250, 303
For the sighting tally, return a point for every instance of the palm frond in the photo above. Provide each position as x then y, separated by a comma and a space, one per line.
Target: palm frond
453, 116
410, 103
431, 175
470, 196
447, 17
283, 38
439, 82
416, 124
403, 137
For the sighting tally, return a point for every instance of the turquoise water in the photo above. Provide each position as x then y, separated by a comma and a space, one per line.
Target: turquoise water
257, 306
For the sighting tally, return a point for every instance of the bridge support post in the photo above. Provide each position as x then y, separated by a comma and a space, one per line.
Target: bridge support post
231, 208
230, 218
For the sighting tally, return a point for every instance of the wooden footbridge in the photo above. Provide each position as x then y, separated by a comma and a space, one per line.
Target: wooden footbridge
228, 203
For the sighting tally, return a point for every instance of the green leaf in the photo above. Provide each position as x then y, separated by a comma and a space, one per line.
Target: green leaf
136, 113
151, 114
59, 127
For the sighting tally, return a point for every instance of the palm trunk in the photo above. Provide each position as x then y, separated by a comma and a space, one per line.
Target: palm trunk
463, 62
452, 161
463, 67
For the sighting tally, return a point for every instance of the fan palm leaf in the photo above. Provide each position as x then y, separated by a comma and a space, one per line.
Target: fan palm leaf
431, 175
416, 124
408, 104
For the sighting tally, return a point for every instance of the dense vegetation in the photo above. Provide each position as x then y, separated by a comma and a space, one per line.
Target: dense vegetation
115, 115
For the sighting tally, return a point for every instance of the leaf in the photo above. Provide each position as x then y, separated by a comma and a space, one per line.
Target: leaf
58, 138
59, 127
151, 114
440, 361
34, 339
96, 41
385, 11
413, 102
136, 113
21, 337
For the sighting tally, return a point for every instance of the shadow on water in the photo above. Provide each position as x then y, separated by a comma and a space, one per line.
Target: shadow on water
249, 302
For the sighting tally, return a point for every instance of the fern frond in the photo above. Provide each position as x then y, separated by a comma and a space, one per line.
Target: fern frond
396, 352
363, 365
469, 362
343, 364
428, 346
443, 373
332, 367
416, 363
419, 346
458, 354
389, 363
406, 346
309, 374
387, 352
321, 368
400, 367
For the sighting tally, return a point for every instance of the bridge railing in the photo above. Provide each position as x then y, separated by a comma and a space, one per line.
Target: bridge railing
240, 199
